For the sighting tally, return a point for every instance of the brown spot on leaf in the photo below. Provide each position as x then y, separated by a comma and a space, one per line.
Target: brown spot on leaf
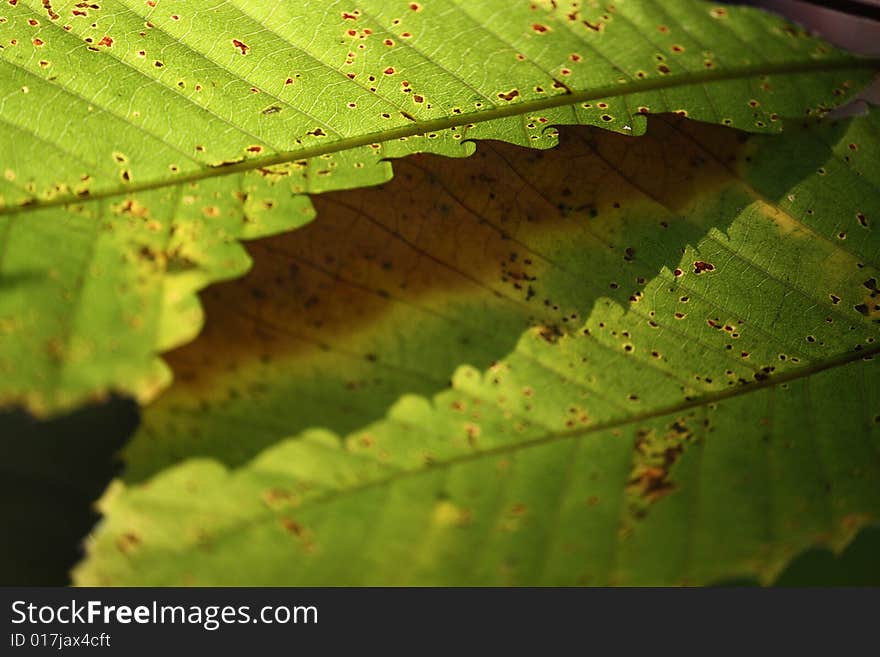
654, 455
127, 542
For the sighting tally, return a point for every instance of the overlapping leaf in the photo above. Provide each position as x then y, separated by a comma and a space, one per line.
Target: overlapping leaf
142, 140
696, 397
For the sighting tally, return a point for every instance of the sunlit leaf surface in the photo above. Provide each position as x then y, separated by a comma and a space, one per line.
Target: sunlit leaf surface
141, 141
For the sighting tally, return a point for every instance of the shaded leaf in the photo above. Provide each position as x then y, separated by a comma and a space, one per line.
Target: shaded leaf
446, 264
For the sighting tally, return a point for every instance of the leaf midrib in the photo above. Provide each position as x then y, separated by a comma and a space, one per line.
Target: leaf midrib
556, 436
330, 497
422, 127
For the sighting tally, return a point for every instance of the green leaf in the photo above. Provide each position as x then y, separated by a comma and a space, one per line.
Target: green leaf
141, 141
702, 404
